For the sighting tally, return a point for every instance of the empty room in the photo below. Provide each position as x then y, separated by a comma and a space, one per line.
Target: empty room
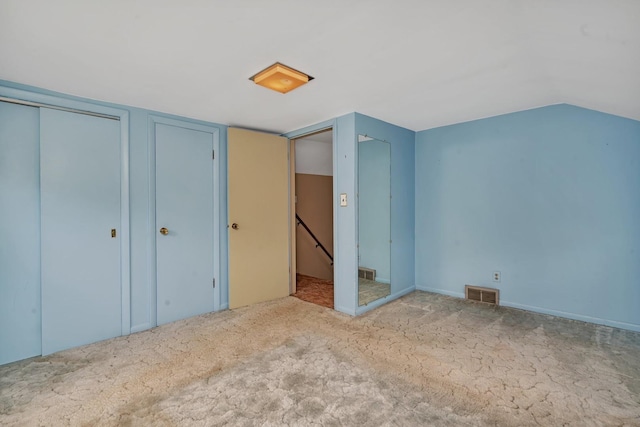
333, 213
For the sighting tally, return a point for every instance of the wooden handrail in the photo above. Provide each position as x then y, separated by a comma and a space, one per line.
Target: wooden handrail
318, 244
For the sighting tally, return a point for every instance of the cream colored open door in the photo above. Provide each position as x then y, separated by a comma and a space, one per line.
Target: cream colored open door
258, 217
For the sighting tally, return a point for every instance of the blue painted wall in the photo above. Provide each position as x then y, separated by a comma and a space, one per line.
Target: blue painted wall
141, 250
550, 197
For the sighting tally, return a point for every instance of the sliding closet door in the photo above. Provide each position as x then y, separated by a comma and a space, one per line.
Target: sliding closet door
19, 233
80, 224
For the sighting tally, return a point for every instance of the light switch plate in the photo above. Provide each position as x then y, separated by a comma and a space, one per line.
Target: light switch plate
343, 199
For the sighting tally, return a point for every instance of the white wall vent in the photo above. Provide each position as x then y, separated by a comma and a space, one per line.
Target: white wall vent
477, 293
366, 273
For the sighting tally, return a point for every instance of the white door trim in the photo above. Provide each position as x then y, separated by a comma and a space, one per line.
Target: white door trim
329, 125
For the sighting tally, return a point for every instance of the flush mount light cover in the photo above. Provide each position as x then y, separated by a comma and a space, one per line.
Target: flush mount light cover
281, 78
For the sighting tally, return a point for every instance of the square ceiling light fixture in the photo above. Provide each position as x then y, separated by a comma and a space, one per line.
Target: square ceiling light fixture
281, 78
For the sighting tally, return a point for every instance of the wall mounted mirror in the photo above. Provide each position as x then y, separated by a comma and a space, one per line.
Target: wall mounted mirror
374, 219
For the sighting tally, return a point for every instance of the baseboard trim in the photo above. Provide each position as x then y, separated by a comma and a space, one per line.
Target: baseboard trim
574, 316
440, 291
344, 310
145, 326
140, 328
402, 292
557, 313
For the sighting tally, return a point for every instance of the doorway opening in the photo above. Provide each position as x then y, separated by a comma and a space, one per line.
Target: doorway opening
312, 218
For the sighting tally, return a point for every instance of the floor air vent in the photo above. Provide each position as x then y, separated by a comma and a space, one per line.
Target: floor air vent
476, 293
366, 273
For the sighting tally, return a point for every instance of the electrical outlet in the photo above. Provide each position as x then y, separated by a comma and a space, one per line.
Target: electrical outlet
496, 276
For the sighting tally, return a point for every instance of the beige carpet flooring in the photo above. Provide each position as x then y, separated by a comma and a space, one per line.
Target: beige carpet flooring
421, 360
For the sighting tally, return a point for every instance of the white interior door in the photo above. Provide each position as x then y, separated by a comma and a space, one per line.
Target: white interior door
258, 217
185, 222
80, 222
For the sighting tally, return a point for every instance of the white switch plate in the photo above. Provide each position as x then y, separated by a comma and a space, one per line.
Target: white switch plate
343, 199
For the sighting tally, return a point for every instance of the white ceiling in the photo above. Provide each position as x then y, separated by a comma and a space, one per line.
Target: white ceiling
418, 64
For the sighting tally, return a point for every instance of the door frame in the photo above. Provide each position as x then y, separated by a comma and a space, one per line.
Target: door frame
293, 136
292, 218
123, 117
152, 248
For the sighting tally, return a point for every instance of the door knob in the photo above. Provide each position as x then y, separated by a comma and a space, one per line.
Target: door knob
234, 226
164, 231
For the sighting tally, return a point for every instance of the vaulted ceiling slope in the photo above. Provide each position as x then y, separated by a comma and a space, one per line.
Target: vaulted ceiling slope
419, 64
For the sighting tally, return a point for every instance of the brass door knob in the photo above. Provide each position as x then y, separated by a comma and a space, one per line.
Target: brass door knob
164, 231
234, 226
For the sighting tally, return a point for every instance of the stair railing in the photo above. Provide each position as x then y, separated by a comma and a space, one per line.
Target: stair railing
318, 244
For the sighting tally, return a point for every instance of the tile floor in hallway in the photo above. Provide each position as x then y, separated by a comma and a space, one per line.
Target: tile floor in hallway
314, 290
